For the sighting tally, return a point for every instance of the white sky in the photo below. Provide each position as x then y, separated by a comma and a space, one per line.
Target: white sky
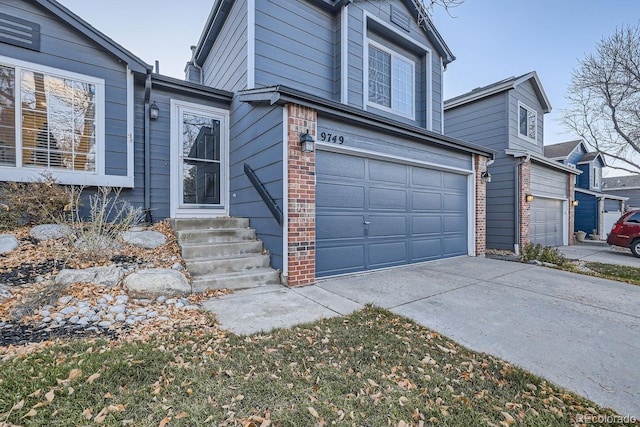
491, 39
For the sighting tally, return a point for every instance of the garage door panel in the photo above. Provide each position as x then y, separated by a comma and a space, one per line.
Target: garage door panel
336, 226
427, 224
455, 202
454, 223
387, 172
387, 226
337, 165
384, 254
455, 245
425, 201
339, 259
388, 199
455, 182
339, 196
426, 177
426, 249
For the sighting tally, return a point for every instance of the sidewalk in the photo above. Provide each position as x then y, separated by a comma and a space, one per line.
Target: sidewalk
600, 252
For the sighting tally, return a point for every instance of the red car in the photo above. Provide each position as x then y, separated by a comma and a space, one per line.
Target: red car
626, 232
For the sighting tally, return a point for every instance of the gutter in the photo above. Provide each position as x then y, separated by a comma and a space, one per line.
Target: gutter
516, 222
147, 150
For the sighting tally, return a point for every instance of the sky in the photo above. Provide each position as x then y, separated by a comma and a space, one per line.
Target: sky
491, 39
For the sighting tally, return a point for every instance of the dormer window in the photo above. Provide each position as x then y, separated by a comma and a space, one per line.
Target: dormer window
597, 178
391, 81
527, 123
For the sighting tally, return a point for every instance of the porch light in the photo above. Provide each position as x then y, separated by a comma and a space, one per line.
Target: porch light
154, 111
575, 203
529, 197
486, 177
307, 142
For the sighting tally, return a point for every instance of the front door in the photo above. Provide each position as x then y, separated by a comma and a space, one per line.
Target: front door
199, 147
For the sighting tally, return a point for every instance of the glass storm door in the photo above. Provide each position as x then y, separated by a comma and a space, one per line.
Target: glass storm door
201, 162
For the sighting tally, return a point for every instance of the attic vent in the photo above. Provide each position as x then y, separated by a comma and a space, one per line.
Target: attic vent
400, 18
19, 32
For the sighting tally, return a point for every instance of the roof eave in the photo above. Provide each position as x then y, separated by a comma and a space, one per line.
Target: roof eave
543, 160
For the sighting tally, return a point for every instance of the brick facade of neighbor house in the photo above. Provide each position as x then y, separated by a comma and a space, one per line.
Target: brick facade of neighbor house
525, 207
481, 206
301, 169
572, 211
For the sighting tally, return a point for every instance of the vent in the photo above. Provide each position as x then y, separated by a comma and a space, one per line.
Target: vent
19, 32
400, 18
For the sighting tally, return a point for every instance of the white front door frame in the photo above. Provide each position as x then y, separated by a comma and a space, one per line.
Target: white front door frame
177, 209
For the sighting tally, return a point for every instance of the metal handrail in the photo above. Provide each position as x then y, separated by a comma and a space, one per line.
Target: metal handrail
266, 197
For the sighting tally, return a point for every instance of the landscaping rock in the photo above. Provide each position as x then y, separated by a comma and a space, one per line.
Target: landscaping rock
4, 292
144, 238
107, 276
50, 231
8, 242
156, 282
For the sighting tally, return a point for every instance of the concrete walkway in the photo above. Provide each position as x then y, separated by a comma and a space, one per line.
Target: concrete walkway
601, 252
580, 332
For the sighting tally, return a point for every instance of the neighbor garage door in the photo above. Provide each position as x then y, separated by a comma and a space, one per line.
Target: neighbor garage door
373, 214
546, 221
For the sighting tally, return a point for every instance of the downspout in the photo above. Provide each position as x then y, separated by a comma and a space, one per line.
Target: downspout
516, 235
147, 150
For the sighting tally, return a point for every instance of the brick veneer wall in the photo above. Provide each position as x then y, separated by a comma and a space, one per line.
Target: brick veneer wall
301, 224
572, 209
525, 211
481, 206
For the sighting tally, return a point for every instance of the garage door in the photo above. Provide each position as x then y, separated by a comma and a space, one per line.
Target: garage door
546, 222
373, 214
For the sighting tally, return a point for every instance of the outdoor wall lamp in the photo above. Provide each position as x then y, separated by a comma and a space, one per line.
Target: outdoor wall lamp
306, 141
486, 177
575, 203
530, 197
154, 111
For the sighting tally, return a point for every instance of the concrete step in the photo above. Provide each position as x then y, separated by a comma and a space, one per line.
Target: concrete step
244, 280
203, 251
217, 235
228, 264
180, 224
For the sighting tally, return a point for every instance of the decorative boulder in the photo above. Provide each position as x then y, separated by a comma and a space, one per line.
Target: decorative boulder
8, 242
155, 282
107, 276
50, 231
5, 294
144, 238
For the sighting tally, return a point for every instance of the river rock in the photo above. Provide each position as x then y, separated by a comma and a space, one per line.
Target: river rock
106, 276
144, 238
50, 231
8, 242
154, 282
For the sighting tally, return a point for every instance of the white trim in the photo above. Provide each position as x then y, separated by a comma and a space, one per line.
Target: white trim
285, 191
535, 113
565, 223
344, 55
176, 211
442, 70
90, 178
251, 44
599, 194
537, 195
471, 209
335, 148
130, 125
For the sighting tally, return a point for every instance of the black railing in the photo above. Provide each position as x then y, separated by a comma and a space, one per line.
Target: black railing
262, 191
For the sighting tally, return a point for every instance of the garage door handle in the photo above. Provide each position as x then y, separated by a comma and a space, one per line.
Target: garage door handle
367, 222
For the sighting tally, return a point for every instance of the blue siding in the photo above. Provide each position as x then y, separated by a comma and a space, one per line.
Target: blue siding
549, 182
575, 156
585, 177
586, 213
256, 138
525, 93
611, 205
632, 194
65, 49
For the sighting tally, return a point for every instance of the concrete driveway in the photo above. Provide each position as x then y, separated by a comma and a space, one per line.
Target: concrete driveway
580, 332
594, 252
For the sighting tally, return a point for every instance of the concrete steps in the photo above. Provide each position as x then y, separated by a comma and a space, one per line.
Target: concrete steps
223, 253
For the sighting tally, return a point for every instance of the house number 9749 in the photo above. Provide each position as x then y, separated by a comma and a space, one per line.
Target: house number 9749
329, 137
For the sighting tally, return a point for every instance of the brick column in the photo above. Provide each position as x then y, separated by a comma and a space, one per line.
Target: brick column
481, 206
572, 209
301, 225
525, 211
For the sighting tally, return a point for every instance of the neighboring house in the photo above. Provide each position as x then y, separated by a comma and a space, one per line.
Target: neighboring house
596, 210
624, 186
529, 196
381, 186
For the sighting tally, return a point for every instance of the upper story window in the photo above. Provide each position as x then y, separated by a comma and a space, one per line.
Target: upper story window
49, 119
527, 122
391, 81
597, 178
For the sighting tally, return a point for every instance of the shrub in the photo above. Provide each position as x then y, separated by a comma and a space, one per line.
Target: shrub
32, 203
537, 252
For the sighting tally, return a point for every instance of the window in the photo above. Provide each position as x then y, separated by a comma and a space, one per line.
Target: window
527, 122
597, 177
391, 81
49, 119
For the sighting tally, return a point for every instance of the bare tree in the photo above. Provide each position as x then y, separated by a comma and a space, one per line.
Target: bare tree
605, 99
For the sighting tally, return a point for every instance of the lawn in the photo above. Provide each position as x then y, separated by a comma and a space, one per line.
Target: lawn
371, 368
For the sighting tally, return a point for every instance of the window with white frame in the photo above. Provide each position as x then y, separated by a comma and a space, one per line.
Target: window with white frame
527, 122
391, 80
48, 118
597, 178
